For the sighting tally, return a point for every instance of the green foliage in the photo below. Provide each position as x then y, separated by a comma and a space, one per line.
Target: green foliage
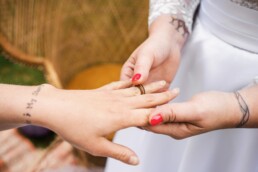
14, 73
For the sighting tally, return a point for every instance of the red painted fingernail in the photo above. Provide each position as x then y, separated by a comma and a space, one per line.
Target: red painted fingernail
136, 77
155, 120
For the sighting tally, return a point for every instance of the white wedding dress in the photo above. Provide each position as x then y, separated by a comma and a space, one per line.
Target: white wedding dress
221, 54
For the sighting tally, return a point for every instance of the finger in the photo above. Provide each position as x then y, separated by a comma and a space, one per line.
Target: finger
174, 112
167, 129
128, 68
116, 151
137, 118
142, 68
153, 100
175, 130
149, 88
116, 85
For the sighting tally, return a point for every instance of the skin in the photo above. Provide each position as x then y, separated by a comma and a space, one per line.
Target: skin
83, 117
158, 58
206, 112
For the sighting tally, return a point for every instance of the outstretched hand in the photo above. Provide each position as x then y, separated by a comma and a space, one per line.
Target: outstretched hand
84, 118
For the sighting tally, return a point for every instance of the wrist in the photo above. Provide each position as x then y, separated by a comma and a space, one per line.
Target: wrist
234, 110
247, 119
165, 26
21, 105
221, 108
41, 112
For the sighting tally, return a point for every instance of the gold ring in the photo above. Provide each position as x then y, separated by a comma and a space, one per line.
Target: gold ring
141, 88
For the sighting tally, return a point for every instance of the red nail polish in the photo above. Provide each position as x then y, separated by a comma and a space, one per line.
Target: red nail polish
136, 77
155, 120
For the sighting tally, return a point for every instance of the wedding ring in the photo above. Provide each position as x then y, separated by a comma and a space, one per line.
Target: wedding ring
141, 88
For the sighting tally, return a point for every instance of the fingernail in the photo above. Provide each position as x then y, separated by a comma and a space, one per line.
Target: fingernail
155, 120
163, 83
176, 90
134, 160
136, 77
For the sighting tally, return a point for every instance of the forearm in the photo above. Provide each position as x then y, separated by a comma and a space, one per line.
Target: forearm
172, 19
170, 29
180, 9
22, 105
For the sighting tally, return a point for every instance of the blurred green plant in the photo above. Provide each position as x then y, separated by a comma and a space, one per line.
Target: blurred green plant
15, 73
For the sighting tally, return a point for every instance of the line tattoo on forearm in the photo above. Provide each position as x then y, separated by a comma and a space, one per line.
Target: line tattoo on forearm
244, 109
179, 26
30, 104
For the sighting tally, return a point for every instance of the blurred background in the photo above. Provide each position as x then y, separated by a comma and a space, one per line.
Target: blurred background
71, 44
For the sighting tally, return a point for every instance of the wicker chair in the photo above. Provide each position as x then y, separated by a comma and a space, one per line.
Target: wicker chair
65, 37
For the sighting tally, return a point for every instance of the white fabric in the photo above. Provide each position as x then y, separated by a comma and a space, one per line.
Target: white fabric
208, 63
239, 29
182, 9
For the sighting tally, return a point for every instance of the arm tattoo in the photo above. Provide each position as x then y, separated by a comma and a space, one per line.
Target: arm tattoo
29, 106
182, 9
244, 109
179, 26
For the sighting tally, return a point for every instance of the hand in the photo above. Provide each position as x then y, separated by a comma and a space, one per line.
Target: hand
84, 118
203, 113
157, 58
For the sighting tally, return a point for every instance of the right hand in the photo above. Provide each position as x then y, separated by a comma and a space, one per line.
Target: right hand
204, 112
157, 58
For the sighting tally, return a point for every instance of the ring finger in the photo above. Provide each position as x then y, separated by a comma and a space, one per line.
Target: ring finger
149, 88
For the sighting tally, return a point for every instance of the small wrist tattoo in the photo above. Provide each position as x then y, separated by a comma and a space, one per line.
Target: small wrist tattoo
244, 109
30, 104
179, 26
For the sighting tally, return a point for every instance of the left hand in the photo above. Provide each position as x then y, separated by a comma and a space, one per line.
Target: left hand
85, 117
205, 112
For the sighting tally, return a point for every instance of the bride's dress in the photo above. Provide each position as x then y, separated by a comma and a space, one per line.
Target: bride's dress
221, 54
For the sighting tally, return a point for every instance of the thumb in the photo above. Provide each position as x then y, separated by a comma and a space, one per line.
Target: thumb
174, 112
142, 68
116, 151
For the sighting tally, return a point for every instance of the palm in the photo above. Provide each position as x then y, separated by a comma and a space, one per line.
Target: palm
158, 58
164, 70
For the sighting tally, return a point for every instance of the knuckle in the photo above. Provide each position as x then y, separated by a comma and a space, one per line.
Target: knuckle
172, 115
137, 121
125, 119
143, 121
122, 155
168, 112
126, 74
135, 91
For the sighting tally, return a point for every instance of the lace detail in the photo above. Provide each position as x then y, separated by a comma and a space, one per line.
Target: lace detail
181, 9
251, 4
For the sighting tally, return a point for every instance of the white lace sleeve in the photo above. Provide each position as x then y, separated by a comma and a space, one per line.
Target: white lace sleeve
182, 9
